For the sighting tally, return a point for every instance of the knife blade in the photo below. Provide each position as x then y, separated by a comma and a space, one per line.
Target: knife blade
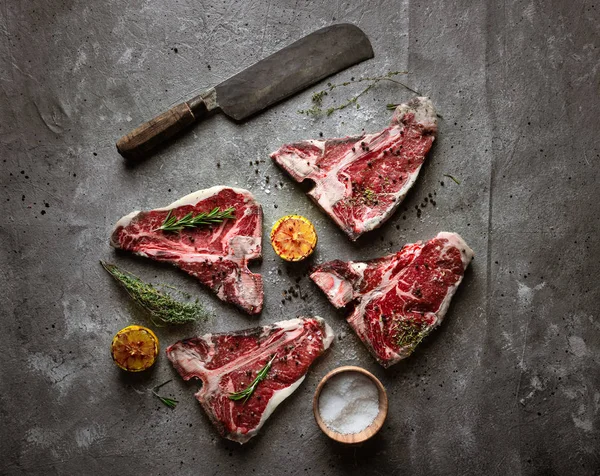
265, 83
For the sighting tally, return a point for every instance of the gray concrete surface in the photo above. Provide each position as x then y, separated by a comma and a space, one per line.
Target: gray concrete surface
510, 384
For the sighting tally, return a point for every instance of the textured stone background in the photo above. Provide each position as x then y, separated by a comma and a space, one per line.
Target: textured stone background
510, 384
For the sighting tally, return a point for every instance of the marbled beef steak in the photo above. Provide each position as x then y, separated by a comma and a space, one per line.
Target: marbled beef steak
228, 363
361, 180
400, 298
217, 255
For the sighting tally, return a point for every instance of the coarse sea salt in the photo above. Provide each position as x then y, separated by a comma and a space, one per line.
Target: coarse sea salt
349, 402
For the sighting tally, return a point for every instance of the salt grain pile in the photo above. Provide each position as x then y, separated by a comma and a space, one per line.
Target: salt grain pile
349, 402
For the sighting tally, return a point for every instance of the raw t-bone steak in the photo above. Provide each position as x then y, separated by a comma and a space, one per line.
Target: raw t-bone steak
229, 363
400, 298
361, 180
216, 254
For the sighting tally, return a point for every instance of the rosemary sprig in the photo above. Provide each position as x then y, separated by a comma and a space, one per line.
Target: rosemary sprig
170, 402
452, 178
317, 98
216, 215
410, 332
161, 306
248, 391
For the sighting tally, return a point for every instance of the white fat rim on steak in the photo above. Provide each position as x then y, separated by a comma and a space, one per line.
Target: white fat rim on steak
192, 365
126, 220
422, 108
331, 190
457, 241
452, 240
399, 196
280, 395
200, 195
289, 325
425, 114
276, 399
190, 199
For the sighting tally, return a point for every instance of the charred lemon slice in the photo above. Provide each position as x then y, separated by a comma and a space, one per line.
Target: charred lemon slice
293, 238
134, 348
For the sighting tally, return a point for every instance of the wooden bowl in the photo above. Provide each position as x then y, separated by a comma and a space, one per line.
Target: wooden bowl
368, 432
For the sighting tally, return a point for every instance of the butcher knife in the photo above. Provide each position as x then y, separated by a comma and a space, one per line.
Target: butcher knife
286, 72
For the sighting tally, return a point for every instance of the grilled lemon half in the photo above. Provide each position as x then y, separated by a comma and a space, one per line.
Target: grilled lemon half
135, 348
293, 238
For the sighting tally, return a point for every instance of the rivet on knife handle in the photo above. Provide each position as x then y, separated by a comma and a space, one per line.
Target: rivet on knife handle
149, 135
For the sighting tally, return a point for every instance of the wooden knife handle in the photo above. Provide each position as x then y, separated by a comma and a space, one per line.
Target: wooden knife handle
140, 141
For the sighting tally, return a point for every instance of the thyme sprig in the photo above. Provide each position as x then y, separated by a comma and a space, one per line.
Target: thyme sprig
369, 195
410, 332
317, 98
216, 215
248, 391
162, 307
170, 402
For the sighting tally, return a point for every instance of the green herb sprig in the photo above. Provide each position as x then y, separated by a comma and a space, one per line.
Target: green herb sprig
317, 98
169, 402
452, 178
216, 215
410, 333
248, 391
369, 196
162, 307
